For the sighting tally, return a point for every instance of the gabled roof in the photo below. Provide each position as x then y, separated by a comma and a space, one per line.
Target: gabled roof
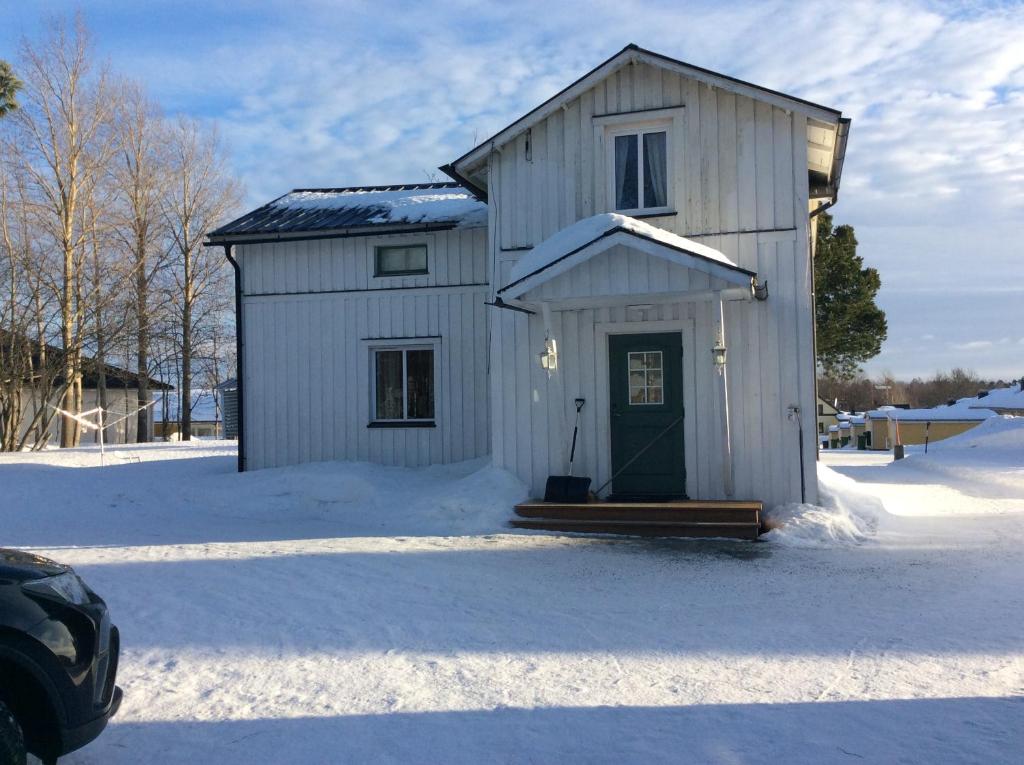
577, 243
427, 205
113, 377
462, 168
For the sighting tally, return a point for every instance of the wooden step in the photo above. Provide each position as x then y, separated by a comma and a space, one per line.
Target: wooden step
642, 528
601, 512
660, 512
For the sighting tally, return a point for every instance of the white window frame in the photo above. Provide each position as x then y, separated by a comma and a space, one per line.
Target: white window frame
404, 344
378, 274
639, 132
671, 120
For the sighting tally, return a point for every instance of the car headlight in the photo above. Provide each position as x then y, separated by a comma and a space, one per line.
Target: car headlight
66, 586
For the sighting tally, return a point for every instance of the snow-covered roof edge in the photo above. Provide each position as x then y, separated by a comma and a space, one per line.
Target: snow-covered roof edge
583, 233
943, 413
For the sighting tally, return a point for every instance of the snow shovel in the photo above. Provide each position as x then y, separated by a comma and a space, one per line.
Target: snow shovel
569, 488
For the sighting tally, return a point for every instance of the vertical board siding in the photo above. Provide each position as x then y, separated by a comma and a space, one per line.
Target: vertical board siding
742, 169
307, 358
453, 257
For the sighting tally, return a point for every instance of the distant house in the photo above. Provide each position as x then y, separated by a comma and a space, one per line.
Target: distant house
827, 416
641, 242
121, 398
891, 425
167, 415
1001, 400
227, 393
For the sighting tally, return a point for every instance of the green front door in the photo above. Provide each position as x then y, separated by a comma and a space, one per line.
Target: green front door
646, 391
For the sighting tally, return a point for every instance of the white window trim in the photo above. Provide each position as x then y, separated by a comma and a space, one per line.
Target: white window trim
376, 274
639, 129
670, 119
403, 344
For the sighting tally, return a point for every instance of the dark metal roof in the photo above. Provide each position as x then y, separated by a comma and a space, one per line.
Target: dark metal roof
300, 211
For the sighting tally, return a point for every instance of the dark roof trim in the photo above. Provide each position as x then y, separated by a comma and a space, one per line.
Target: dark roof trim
479, 193
269, 238
633, 47
625, 230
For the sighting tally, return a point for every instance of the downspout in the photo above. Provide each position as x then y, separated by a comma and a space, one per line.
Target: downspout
239, 356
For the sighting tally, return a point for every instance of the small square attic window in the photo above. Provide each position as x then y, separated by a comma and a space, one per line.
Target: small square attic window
400, 260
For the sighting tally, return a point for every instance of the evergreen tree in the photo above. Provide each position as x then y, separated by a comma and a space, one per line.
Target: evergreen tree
9, 87
850, 326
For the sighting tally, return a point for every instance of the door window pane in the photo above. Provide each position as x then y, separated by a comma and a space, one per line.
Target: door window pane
655, 170
646, 377
626, 173
420, 384
389, 385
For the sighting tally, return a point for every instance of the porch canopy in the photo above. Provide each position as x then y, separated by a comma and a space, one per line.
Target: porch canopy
613, 259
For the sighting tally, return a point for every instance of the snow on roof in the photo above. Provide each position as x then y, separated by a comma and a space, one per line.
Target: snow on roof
1000, 398
584, 232
362, 206
448, 205
947, 413
204, 406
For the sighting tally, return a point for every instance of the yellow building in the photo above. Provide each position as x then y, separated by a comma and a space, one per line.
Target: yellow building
889, 426
827, 416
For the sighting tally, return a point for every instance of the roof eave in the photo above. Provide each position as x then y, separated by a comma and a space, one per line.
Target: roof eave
262, 237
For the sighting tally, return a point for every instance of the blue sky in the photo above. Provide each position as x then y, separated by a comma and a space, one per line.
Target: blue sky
311, 92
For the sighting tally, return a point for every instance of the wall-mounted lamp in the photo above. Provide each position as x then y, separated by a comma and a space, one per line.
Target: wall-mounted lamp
549, 358
718, 351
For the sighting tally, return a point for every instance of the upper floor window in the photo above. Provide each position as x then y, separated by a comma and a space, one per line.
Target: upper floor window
641, 169
400, 260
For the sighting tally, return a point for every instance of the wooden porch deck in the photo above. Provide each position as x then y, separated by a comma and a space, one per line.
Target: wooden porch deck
682, 518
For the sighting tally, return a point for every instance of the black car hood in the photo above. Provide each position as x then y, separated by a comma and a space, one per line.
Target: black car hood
20, 566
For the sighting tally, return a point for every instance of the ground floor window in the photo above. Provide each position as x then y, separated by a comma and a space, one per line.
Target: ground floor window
403, 385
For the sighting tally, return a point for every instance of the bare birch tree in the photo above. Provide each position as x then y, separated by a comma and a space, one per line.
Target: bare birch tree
200, 195
66, 139
141, 175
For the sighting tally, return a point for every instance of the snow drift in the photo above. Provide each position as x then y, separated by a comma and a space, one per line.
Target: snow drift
846, 515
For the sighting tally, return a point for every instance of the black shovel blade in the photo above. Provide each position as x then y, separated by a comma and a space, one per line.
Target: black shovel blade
566, 488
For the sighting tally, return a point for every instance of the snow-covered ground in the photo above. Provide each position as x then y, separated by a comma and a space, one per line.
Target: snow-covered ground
352, 613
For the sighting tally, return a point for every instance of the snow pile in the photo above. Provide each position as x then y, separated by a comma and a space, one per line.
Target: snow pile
480, 502
1000, 434
438, 205
588, 230
847, 516
988, 458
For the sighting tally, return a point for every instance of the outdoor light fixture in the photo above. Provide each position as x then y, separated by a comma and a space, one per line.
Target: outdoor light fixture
549, 358
718, 351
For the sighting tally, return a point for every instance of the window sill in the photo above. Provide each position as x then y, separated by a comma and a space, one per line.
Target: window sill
402, 424
389, 274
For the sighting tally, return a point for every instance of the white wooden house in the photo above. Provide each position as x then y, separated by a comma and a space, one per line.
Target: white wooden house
641, 241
